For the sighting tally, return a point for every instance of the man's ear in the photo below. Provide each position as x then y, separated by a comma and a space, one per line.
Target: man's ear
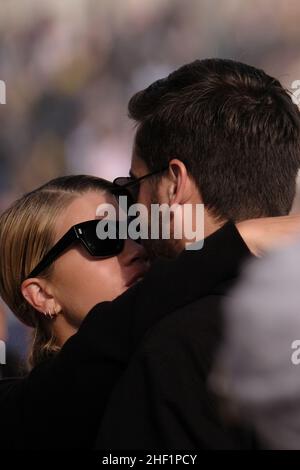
38, 293
181, 189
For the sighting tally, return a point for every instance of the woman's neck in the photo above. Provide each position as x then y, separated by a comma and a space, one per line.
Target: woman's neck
63, 330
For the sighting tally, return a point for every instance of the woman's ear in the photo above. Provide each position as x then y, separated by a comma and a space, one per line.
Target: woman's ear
180, 189
37, 292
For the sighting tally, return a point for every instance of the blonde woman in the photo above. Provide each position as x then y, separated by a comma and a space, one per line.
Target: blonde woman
53, 271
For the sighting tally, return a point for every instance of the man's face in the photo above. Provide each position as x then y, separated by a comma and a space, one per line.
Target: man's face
151, 191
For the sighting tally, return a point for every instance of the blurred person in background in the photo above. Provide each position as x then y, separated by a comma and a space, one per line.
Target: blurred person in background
12, 366
257, 368
2, 323
2, 338
71, 67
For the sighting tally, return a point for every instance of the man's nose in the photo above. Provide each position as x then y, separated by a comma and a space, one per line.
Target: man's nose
133, 252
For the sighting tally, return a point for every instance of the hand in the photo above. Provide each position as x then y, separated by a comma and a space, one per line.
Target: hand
263, 234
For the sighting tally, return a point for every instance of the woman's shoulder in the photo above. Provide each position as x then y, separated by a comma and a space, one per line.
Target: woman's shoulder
11, 397
8, 385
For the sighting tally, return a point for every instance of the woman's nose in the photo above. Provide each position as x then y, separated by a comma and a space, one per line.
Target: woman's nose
133, 252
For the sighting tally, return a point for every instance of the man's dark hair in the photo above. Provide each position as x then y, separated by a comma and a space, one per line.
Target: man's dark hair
236, 129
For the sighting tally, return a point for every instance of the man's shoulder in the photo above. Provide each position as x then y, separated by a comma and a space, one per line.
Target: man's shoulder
199, 313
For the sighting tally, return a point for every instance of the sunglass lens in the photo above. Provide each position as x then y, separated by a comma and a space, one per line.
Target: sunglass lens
101, 247
130, 185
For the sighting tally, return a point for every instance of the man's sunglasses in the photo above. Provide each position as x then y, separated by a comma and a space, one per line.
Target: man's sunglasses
85, 234
132, 185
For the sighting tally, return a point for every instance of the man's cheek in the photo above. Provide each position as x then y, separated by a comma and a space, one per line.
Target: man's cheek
144, 197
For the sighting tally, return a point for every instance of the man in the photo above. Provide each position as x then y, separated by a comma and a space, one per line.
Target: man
224, 134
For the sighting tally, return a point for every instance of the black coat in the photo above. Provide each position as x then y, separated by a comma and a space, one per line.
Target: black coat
61, 403
163, 400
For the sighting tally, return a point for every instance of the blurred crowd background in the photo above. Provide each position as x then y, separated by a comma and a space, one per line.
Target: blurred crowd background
71, 66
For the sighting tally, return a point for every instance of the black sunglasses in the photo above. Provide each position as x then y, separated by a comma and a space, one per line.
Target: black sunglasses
132, 185
84, 233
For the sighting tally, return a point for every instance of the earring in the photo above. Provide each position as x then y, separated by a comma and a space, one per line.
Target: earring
50, 315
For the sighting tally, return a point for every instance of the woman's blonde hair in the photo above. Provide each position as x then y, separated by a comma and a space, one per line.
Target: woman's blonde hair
26, 235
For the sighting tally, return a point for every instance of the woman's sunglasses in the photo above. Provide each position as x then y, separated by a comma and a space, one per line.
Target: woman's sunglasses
85, 234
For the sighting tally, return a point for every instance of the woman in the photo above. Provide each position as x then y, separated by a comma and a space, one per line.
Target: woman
56, 298
53, 271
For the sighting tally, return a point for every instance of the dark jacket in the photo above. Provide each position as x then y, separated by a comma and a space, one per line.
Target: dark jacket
60, 404
163, 399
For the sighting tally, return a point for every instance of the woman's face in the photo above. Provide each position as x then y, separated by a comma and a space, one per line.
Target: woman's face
80, 281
